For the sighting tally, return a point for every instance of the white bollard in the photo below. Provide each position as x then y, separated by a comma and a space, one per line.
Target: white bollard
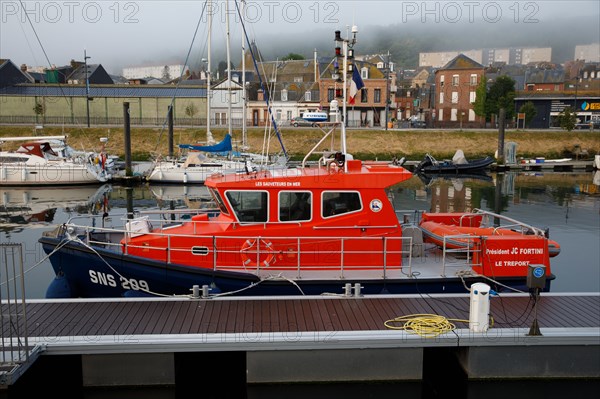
479, 312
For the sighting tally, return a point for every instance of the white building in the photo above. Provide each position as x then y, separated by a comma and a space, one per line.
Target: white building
166, 72
487, 56
588, 52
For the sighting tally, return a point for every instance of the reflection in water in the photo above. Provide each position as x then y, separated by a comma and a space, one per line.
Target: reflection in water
20, 206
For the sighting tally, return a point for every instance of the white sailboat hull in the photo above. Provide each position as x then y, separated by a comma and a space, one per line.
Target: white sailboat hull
170, 172
58, 173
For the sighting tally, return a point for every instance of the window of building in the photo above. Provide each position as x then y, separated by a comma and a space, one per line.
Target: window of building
330, 95
364, 73
380, 65
336, 203
295, 206
377, 94
441, 97
442, 81
289, 115
453, 114
278, 114
473, 79
454, 97
308, 96
284, 95
364, 95
441, 114
298, 79
472, 97
454, 80
220, 118
249, 206
471, 115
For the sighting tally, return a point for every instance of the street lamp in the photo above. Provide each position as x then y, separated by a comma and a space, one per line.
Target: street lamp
87, 86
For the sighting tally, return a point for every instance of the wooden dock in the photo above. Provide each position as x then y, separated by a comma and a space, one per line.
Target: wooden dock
312, 339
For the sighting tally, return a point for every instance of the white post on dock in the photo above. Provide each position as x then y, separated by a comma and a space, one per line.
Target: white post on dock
479, 312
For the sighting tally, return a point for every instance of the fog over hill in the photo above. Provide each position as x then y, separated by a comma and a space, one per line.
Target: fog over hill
123, 33
406, 41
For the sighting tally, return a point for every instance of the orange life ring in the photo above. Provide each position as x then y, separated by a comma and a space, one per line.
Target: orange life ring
251, 256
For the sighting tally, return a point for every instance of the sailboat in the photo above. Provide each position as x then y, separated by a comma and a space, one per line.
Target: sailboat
50, 161
325, 228
202, 161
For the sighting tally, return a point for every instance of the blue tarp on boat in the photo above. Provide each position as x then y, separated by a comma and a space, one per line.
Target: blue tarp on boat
223, 146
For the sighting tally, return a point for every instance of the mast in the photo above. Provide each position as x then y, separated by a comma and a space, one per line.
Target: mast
228, 47
209, 137
244, 110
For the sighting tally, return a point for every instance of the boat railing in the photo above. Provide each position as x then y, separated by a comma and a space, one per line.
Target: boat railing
469, 246
513, 222
261, 254
394, 253
326, 134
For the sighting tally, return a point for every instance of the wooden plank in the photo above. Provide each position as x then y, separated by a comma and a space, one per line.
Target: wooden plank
304, 318
97, 315
138, 317
150, 326
45, 323
173, 319
213, 321
188, 317
125, 315
282, 316
195, 326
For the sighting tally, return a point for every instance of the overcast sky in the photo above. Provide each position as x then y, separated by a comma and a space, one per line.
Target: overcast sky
153, 32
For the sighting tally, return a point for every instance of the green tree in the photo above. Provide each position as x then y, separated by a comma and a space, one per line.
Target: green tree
479, 106
567, 119
530, 112
293, 56
501, 95
39, 110
190, 111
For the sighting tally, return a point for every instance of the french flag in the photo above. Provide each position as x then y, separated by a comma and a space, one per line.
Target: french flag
355, 85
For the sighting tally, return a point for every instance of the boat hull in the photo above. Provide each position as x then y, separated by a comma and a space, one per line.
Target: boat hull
48, 174
104, 273
474, 166
177, 174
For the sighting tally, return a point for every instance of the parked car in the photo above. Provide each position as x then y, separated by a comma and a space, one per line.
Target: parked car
418, 124
298, 121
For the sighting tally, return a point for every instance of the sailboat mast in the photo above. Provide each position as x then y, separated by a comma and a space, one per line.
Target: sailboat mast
209, 137
228, 47
244, 133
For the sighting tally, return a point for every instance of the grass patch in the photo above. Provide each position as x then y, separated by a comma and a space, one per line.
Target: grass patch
363, 144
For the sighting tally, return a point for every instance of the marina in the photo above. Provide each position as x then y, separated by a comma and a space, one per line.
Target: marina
346, 266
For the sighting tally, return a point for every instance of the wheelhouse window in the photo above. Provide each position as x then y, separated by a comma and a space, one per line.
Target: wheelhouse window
340, 202
218, 200
295, 206
249, 206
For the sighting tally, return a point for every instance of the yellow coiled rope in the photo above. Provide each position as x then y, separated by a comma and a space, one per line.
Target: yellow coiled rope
425, 325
